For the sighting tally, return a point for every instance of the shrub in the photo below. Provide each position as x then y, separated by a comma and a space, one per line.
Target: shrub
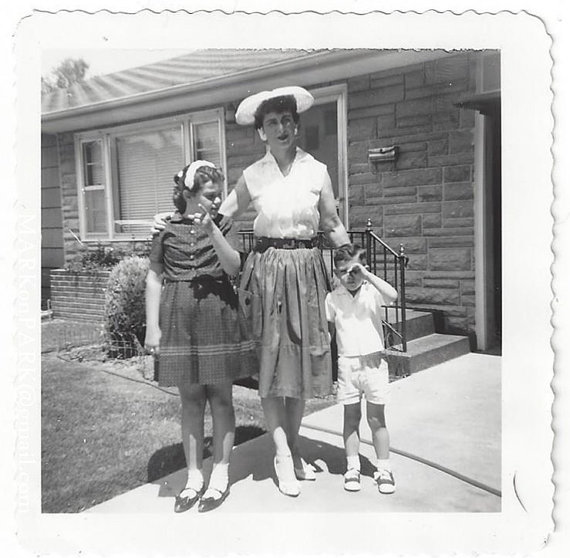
94, 259
103, 258
124, 320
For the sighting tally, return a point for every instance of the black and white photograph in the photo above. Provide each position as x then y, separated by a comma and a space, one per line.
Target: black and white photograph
291, 283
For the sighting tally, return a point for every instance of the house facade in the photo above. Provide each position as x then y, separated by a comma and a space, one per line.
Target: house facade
411, 140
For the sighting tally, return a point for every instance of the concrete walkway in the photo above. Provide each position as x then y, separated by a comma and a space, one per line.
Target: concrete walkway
445, 428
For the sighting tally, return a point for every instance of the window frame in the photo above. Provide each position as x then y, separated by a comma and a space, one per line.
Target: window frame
107, 136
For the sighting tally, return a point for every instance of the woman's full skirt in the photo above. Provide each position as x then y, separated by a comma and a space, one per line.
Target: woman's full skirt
282, 297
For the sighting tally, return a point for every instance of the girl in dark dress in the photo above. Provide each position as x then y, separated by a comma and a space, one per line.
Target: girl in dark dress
192, 321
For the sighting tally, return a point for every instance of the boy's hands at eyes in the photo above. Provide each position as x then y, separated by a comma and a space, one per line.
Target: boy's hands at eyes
358, 271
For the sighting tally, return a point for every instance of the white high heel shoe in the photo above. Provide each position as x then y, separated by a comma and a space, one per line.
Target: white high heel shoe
286, 481
306, 472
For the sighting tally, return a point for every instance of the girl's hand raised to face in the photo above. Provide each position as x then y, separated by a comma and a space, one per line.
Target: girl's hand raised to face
203, 219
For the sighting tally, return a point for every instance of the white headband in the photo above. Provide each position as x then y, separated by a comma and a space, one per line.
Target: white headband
191, 172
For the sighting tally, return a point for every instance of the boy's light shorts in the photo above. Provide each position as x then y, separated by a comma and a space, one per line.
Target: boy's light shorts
363, 375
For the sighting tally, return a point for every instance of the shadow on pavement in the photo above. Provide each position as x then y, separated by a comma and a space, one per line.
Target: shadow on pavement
169, 459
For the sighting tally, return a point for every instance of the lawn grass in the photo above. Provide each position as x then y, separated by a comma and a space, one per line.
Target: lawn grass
106, 431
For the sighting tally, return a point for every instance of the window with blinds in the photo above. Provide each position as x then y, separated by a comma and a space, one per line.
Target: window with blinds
145, 163
140, 162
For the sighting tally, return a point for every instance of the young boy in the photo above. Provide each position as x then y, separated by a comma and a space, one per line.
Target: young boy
354, 310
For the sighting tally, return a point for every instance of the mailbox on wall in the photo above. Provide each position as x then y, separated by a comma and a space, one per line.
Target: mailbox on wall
383, 154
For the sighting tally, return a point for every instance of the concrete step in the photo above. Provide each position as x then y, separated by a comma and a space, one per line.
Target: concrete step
418, 323
425, 352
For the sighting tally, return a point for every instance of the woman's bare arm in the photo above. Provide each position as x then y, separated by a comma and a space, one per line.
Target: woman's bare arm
237, 201
330, 221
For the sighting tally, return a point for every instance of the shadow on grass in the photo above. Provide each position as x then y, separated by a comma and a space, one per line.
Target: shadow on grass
171, 458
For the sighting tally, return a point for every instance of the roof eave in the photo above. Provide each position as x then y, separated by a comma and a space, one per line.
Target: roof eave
305, 71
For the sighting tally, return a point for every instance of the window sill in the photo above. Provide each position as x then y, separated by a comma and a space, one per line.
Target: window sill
116, 239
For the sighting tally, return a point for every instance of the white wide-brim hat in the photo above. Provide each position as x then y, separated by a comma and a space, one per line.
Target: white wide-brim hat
245, 113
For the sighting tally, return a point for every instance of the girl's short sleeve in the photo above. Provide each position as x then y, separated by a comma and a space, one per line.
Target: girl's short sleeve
156, 251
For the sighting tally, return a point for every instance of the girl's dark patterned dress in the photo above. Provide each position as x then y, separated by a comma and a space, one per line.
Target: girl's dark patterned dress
204, 340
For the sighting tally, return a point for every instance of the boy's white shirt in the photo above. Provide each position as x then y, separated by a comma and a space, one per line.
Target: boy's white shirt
357, 319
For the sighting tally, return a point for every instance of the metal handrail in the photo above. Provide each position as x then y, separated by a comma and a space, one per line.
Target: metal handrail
395, 329
383, 261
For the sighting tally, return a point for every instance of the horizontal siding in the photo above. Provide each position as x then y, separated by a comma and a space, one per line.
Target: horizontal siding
52, 238
51, 257
50, 177
48, 140
52, 253
51, 217
51, 198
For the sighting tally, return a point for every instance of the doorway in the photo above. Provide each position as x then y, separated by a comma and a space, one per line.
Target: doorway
323, 135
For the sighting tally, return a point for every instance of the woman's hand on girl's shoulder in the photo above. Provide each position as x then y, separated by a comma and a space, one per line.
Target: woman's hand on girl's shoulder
159, 222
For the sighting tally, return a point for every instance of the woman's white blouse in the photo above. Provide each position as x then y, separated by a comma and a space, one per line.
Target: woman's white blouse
286, 206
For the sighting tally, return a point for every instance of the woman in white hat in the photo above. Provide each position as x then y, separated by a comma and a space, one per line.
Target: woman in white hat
284, 281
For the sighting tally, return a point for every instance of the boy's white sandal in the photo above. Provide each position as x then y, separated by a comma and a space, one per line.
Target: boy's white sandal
352, 480
385, 481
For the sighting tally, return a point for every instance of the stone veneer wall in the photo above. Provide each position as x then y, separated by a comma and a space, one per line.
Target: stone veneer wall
424, 201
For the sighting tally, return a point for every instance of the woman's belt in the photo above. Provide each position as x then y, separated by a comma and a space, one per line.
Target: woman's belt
262, 243
198, 279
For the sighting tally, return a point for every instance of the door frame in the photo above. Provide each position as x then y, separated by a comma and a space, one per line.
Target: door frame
338, 93
485, 236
